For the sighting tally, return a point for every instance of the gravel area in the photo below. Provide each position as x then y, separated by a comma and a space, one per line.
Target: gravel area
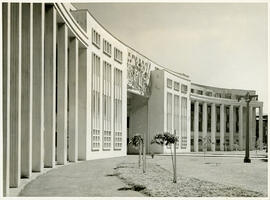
157, 182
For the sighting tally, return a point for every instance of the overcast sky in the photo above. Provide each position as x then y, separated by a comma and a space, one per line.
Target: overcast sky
216, 44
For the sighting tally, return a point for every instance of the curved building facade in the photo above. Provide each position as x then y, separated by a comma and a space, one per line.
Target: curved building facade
72, 91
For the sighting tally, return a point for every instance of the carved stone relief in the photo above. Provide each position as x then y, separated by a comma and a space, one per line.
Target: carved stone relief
138, 74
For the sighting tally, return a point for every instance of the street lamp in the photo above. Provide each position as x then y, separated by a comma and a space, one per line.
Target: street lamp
248, 98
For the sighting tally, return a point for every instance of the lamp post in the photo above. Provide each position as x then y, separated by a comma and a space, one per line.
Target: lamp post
248, 98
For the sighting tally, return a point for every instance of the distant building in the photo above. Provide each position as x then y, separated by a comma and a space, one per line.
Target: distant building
72, 91
265, 129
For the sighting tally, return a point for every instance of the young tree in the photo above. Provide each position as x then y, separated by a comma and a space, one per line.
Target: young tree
257, 145
137, 142
205, 142
168, 139
236, 146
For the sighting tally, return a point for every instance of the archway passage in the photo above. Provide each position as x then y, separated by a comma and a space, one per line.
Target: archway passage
137, 119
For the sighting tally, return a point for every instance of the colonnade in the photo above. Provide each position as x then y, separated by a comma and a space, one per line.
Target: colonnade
222, 126
44, 61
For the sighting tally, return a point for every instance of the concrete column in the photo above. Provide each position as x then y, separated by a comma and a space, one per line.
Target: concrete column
38, 88
261, 127
213, 127
250, 128
15, 95
6, 95
73, 100
26, 87
231, 129
204, 125
82, 103
240, 133
196, 126
50, 86
222, 127
62, 87
254, 129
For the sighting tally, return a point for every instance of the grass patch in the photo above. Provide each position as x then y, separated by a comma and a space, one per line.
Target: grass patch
157, 182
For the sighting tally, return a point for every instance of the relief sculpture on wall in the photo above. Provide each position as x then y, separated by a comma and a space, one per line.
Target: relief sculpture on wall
138, 74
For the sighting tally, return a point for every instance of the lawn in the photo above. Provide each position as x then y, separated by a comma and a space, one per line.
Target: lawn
157, 182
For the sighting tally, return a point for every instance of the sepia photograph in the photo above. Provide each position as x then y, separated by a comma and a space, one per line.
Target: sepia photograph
134, 99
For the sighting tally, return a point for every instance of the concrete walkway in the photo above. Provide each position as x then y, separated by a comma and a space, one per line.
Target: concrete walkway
85, 179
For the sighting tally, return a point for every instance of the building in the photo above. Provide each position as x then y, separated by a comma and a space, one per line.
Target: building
72, 91
265, 129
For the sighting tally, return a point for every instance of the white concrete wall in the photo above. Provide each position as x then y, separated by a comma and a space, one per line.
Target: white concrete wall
92, 23
181, 81
156, 109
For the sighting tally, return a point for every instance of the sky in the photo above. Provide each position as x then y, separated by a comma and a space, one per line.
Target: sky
216, 44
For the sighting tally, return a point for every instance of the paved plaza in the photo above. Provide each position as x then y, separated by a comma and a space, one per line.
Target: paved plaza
93, 178
89, 178
225, 170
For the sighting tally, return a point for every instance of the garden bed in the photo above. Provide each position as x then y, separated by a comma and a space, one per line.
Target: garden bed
157, 182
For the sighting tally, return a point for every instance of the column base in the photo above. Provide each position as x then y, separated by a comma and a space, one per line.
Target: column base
247, 160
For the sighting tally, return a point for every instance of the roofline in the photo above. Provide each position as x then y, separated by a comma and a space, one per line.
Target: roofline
181, 74
200, 85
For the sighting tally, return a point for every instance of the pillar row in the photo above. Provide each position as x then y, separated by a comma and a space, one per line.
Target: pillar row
62, 86
222, 127
204, 125
83, 102
6, 96
213, 127
38, 88
15, 94
231, 142
250, 127
73, 100
254, 141
26, 90
50, 86
196, 126
261, 127
240, 133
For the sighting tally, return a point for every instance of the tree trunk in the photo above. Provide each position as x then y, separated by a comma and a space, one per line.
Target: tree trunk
139, 155
174, 171
144, 153
173, 163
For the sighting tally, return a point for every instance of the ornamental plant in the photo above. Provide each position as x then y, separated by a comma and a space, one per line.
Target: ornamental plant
168, 139
138, 143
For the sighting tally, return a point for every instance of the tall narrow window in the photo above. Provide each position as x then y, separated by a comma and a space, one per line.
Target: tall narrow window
95, 38
118, 55
176, 86
183, 88
95, 139
176, 112
107, 48
106, 106
183, 123
169, 83
169, 112
118, 109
